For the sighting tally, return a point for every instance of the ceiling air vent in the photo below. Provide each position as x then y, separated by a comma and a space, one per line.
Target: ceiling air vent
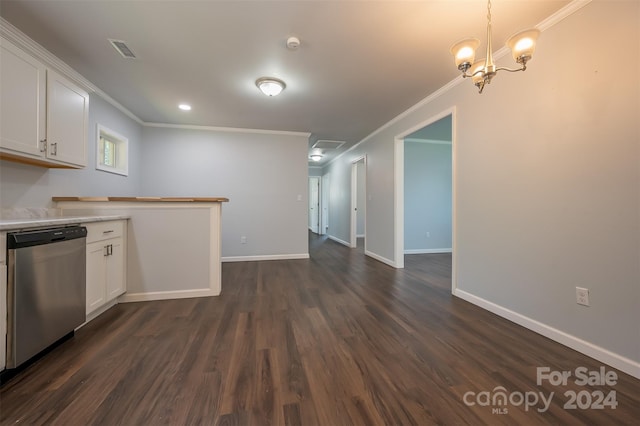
122, 48
327, 145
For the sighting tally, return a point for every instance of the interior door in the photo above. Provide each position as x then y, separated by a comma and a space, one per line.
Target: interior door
314, 204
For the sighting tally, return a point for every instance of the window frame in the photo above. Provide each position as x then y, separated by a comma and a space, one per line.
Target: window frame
121, 148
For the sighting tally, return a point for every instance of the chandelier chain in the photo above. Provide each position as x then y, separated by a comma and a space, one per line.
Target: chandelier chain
489, 11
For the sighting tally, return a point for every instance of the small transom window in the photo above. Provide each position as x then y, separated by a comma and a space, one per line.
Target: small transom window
113, 152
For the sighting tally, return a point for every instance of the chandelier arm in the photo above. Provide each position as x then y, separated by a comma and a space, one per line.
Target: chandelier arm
524, 67
480, 71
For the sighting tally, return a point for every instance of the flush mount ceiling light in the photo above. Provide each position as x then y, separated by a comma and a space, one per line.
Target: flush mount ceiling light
185, 107
522, 46
315, 157
270, 86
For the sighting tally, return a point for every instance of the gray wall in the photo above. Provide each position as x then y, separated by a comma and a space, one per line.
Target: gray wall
24, 186
427, 197
547, 175
315, 171
265, 176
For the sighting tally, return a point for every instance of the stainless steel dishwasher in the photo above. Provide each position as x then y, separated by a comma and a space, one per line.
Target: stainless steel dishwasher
46, 289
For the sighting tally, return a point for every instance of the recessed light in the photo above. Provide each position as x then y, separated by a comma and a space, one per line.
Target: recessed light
185, 107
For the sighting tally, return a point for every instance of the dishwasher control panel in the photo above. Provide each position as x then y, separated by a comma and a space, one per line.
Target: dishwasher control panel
44, 236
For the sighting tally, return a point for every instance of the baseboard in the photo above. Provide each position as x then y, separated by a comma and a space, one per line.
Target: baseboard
620, 362
427, 251
338, 240
165, 295
265, 257
101, 310
380, 258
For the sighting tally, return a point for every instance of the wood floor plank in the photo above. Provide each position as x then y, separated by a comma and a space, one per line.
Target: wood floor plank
338, 339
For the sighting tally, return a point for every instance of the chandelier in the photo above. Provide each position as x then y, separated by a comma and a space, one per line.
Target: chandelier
522, 46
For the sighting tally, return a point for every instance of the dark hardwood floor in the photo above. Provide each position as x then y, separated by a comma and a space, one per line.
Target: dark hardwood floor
339, 339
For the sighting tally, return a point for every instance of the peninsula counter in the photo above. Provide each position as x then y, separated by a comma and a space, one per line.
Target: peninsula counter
173, 243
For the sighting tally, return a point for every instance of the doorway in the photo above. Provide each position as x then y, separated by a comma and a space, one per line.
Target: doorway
358, 202
448, 124
314, 204
427, 189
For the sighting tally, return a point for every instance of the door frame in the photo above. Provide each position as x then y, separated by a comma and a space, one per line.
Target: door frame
325, 186
353, 240
398, 223
318, 213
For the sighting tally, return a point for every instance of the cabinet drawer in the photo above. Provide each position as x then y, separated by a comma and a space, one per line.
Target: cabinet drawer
104, 230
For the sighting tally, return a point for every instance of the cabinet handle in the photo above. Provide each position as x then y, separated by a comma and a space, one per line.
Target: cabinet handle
108, 250
54, 147
43, 145
107, 232
105, 252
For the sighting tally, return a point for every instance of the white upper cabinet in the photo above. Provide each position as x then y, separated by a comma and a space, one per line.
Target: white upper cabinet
67, 116
44, 116
22, 101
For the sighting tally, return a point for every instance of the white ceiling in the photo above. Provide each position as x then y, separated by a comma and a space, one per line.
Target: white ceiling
360, 63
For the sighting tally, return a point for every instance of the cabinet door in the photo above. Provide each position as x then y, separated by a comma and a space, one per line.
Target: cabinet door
67, 117
115, 269
22, 101
96, 275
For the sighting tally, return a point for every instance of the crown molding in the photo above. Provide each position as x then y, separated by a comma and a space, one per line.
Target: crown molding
227, 129
566, 11
430, 141
13, 34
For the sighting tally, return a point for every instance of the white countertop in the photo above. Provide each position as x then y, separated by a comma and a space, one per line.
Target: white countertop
44, 222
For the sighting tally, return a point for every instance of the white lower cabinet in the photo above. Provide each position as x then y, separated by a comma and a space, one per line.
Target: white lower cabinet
106, 271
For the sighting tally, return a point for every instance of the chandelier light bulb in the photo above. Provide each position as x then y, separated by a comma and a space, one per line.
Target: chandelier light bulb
523, 44
464, 52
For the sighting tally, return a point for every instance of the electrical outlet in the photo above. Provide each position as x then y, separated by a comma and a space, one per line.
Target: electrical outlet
582, 296
243, 240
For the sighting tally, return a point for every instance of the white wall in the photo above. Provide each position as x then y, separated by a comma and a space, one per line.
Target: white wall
25, 186
427, 197
547, 170
265, 176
